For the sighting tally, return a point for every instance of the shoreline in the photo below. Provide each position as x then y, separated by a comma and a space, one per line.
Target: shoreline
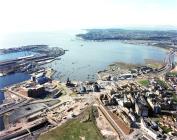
146, 43
29, 63
155, 38
133, 42
119, 68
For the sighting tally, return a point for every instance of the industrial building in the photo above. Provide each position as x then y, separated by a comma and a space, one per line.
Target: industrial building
33, 91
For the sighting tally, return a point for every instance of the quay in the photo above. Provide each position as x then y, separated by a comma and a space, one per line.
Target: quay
28, 63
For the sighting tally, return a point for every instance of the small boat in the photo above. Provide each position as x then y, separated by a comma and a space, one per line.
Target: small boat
2, 74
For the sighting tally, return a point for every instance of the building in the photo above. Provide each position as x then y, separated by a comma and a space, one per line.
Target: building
96, 88
130, 97
156, 135
166, 104
127, 102
120, 101
141, 107
82, 89
154, 105
126, 116
127, 76
36, 91
41, 80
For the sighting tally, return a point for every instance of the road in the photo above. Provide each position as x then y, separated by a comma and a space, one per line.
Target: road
168, 61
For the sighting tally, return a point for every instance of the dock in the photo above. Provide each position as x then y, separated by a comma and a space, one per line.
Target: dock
30, 62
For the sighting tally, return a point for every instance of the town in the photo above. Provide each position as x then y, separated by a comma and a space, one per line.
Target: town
137, 103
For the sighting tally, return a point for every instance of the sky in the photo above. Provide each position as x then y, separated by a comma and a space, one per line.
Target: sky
49, 15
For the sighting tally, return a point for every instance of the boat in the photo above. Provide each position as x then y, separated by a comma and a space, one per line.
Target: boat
2, 74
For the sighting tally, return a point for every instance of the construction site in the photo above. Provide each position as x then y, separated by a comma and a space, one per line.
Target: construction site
30, 107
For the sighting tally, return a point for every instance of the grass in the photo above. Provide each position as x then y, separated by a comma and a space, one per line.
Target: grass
172, 74
162, 83
76, 129
174, 97
123, 65
165, 129
144, 82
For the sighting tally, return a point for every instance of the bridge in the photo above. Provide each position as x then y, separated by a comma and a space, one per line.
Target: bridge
169, 62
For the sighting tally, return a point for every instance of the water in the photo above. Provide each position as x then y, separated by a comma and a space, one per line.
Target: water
9, 80
15, 55
84, 57
80, 62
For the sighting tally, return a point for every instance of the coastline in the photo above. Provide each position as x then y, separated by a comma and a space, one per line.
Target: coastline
162, 39
30, 63
146, 43
118, 68
136, 42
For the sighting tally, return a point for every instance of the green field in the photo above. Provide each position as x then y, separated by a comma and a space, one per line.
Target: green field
174, 96
162, 83
144, 82
75, 129
165, 129
172, 74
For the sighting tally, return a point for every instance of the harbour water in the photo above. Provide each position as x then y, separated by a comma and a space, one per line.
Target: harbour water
9, 80
84, 58
14, 55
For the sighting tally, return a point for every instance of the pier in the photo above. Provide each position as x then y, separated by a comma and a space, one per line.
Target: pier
29, 63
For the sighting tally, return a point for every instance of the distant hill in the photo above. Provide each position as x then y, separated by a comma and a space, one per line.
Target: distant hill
161, 38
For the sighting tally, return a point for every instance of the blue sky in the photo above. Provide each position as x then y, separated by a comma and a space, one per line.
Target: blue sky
45, 15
